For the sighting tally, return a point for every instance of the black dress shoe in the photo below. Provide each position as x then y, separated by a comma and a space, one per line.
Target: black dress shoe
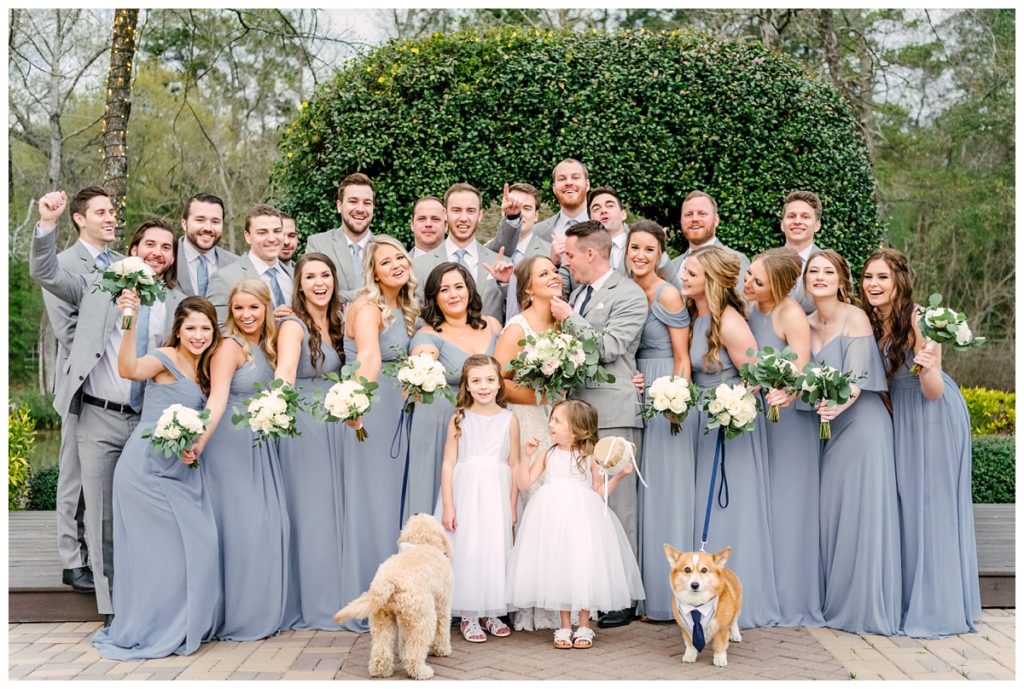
80, 579
616, 618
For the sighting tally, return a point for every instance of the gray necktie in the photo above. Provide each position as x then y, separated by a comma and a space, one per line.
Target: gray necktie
202, 276
460, 256
357, 263
517, 256
275, 288
141, 347
103, 259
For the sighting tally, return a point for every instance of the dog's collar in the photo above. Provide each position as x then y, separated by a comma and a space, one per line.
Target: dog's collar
707, 611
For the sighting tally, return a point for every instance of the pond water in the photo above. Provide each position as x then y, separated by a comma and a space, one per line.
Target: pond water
45, 450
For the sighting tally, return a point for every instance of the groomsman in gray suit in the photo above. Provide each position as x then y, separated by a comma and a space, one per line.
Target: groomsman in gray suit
519, 209
202, 221
289, 242
264, 233
463, 207
109, 404
698, 219
90, 215
605, 206
801, 220
427, 225
345, 245
610, 308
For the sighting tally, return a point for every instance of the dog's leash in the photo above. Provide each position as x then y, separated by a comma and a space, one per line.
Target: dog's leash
719, 448
396, 449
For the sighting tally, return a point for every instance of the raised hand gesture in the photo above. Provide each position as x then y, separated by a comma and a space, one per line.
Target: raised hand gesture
511, 204
502, 269
51, 205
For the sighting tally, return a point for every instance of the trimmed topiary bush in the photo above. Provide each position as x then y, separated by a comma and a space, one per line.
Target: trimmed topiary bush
992, 475
653, 114
42, 489
992, 411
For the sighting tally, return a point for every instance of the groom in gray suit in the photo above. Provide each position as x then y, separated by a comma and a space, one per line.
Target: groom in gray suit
199, 257
698, 219
801, 220
345, 244
109, 405
463, 208
611, 308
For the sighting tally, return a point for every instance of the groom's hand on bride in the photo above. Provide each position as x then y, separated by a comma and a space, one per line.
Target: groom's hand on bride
560, 309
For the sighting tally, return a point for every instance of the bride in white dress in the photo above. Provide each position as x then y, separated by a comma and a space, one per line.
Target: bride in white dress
537, 281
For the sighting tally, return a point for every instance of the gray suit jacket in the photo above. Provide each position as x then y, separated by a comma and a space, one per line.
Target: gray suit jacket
226, 278
96, 312
614, 316
221, 256
335, 245
805, 300
677, 263
491, 293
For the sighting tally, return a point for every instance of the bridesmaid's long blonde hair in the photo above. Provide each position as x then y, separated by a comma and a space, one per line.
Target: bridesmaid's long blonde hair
721, 270
407, 300
268, 333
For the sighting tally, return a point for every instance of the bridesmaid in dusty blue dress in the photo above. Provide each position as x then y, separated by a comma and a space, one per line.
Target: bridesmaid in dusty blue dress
859, 510
720, 338
377, 330
665, 506
245, 482
454, 331
932, 431
777, 320
307, 348
165, 535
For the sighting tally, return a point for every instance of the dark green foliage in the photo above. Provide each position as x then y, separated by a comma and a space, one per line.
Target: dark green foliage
42, 489
39, 406
653, 114
992, 477
25, 304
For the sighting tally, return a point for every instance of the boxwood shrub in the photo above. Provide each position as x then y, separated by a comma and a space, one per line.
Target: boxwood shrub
992, 477
653, 114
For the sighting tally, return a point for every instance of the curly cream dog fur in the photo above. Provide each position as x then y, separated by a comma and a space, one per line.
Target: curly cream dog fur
411, 589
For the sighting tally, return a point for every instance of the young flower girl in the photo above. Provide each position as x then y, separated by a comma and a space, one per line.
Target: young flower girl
571, 554
477, 502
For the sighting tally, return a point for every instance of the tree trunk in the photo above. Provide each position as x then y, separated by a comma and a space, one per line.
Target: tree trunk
115, 115
56, 107
827, 32
769, 33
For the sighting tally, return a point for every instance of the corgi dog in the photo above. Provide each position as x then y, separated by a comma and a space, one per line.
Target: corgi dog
702, 584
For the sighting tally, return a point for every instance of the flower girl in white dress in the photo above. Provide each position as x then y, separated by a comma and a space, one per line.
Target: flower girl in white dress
477, 501
571, 554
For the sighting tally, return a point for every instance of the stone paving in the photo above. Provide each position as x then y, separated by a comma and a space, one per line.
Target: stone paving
638, 651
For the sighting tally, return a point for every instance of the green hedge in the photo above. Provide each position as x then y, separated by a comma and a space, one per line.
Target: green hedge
653, 114
21, 434
994, 460
42, 489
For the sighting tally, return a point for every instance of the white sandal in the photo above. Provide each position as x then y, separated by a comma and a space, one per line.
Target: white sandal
583, 638
563, 638
471, 631
495, 627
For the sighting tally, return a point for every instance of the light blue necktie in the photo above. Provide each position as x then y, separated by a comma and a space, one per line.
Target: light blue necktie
460, 256
202, 276
103, 259
141, 347
275, 288
517, 256
357, 263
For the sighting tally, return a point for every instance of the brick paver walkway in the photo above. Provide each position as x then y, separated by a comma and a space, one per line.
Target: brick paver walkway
639, 651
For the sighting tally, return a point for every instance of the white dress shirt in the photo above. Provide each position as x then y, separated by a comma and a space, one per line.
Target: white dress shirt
596, 285
564, 221
472, 255
284, 280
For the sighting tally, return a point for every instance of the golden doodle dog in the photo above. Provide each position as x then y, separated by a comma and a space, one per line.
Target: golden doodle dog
412, 590
708, 597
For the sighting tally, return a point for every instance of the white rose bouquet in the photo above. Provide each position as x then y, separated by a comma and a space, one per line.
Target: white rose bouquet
823, 383
421, 377
732, 408
271, 412
177, 429
773, 370
671, 396
944, 326
131, 273
555, 363
348, 399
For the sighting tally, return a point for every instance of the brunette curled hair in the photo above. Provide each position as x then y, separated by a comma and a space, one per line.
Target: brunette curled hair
431, 313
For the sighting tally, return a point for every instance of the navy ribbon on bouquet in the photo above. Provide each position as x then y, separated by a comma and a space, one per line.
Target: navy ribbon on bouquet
719, 449
396, 449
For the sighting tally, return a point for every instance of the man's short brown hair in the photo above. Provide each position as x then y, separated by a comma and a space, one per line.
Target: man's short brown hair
698, 194
462, 186
258, 210
808, 197
593, 235
80, 202
355, 179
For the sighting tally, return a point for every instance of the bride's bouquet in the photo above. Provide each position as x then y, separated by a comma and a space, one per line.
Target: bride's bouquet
348, 399
673, 397
823, 383
732, 408
132, 273
421, 377
177, 429
774, 370
944, 326
271, 412
555, 363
